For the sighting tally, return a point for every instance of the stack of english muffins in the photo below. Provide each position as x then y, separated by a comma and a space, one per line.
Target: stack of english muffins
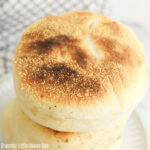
78, 76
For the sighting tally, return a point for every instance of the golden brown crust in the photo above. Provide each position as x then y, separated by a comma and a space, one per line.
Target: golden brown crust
76, 56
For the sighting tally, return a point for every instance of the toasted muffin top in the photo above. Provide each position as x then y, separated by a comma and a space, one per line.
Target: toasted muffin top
77, 57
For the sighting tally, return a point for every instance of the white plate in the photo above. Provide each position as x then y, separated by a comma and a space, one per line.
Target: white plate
134, 134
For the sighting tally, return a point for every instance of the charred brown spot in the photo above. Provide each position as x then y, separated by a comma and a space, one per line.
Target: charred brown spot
48, 44
63, 69
59, 73
79, 56
60, 42
63, 75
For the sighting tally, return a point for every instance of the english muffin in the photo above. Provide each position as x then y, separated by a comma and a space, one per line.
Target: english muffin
79, 72
20, 129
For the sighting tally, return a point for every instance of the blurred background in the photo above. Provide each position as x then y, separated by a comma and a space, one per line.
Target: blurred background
16, 15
